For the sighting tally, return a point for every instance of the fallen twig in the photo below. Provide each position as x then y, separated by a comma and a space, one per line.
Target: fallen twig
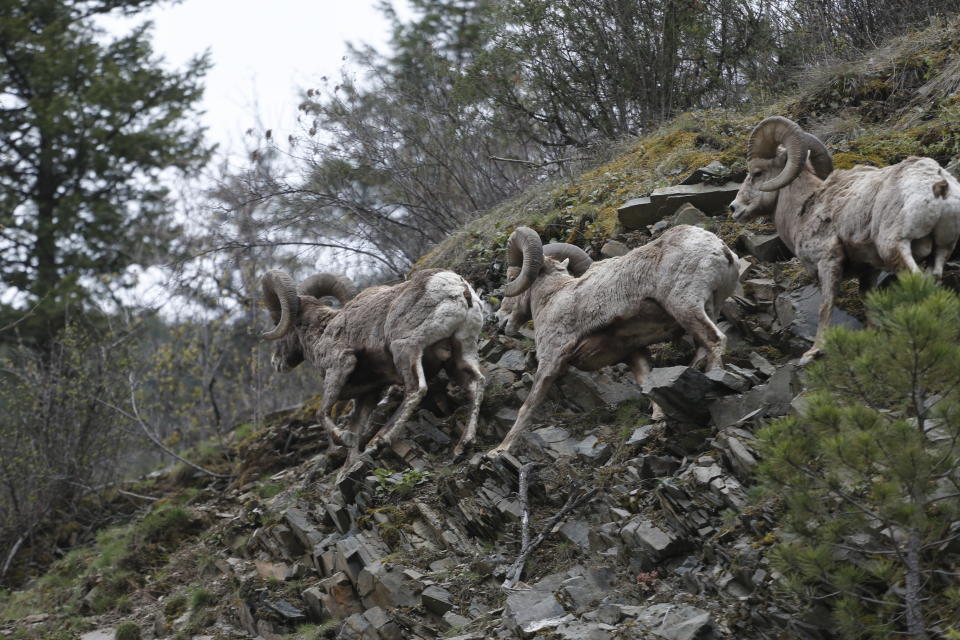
573, 501
531, 163
136, 495
12, 555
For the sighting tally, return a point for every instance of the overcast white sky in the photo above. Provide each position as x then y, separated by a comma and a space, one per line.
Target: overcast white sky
262, 52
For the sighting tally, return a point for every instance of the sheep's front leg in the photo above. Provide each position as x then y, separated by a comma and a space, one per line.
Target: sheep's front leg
409, 362
829, 271
335, 377
548, 371
640, 366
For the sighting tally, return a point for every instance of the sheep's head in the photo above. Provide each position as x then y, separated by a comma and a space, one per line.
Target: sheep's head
527, 260
776, 154
290, 311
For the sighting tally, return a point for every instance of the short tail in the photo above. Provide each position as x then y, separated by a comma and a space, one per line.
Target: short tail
940, 188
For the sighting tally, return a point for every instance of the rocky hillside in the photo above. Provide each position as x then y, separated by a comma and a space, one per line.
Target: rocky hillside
644, 529
666, 540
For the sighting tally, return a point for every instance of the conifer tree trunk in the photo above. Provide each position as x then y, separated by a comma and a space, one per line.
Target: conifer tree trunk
915, 625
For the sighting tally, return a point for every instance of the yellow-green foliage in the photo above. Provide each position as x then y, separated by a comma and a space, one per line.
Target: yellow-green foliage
897, 101
586, 207
165, 525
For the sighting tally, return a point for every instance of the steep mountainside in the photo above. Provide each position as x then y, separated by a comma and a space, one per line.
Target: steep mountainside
650, 528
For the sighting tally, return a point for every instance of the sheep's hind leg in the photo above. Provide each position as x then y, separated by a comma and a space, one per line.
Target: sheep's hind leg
409, 362
547, 373
905, 255
360, 421
705, 332
468, 374
640, 366
940, 259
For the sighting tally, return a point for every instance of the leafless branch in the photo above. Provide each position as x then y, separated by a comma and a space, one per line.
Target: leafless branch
135, 417
574, 500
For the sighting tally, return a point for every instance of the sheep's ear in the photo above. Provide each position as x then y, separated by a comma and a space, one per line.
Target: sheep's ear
565, 264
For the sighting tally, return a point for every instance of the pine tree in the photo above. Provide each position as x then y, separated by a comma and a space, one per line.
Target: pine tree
869, 472
88, 126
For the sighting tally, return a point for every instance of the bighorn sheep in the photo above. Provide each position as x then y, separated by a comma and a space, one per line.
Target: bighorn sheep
853, 222
617, 307
403, 333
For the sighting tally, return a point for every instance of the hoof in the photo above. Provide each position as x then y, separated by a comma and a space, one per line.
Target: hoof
496, 452
375, 447
809, 357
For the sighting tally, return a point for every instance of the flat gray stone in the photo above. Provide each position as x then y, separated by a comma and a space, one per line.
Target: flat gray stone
387, 587
513, 360
764, 247
639, 213
772, 399
652, 543
305, 532
577, 630
577, 532
592, 449
614, 249
437, 600
533, 609
798, 313
675, 622
642, 435
587, 589
592, 390
383, 625
733, 443
713, 171
356, 627
313, 597
680, 392
710, 198
287, 610
689, 214
728, 380
455, 619
555, 439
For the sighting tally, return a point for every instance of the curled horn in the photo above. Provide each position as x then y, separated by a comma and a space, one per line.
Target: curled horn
328, 284
280, 296
764, 140
579, 260
819, 156
524, 250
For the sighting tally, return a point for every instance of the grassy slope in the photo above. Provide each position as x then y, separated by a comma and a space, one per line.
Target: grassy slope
896, 101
